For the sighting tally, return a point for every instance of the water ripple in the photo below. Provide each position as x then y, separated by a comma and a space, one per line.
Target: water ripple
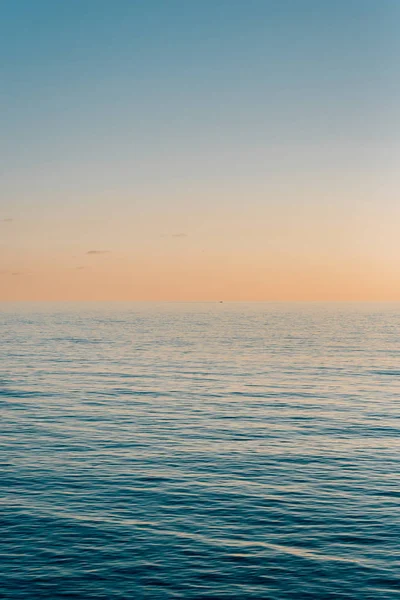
200, 452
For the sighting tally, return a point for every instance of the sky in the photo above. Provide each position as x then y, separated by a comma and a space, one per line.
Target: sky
199, 150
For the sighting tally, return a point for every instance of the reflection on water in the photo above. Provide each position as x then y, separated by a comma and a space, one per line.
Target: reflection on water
200, 451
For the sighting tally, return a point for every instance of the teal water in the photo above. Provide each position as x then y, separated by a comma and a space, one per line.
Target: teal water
200, 451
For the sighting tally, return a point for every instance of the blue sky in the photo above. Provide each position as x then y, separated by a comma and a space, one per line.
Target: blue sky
148, 107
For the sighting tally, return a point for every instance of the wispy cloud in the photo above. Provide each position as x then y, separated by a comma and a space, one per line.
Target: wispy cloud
80, 268
174, 235
98, 252
8, 220
8, 272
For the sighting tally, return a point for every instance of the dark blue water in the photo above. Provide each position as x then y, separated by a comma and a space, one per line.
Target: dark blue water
200, 451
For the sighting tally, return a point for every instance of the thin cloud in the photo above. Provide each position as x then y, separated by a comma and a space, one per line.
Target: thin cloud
7, 220
98, 252
174, 235
80, 268
8, 272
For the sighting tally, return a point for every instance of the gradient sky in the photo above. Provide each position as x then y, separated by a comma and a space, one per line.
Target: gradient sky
200, 150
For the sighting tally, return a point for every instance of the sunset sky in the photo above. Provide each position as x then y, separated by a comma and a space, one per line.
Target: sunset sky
200, 150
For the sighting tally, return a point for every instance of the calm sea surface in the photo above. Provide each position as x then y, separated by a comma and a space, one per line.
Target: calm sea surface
200, 451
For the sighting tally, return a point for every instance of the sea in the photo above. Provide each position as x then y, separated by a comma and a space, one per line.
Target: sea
200, 451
